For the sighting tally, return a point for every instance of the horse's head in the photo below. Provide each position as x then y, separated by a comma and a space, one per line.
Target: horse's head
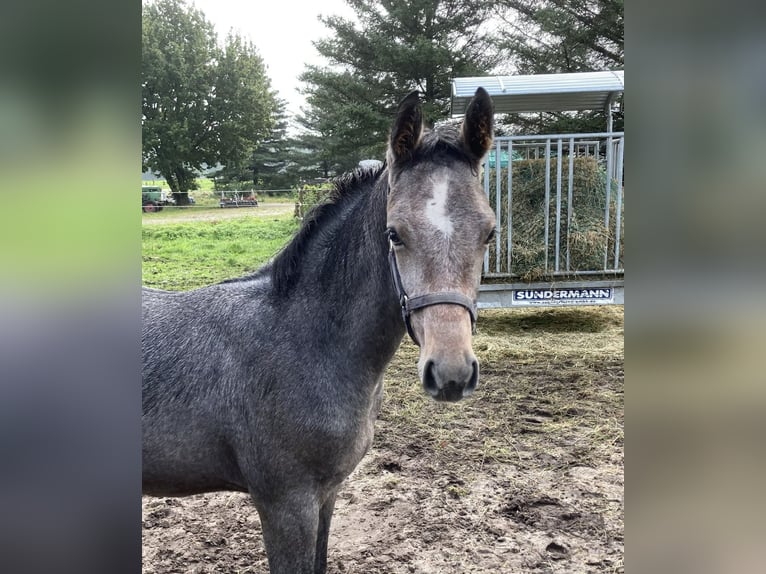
439, 224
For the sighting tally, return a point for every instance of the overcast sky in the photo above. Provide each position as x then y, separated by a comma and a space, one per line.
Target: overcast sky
282, 30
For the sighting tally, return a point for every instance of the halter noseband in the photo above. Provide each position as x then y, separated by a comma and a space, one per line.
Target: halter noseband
409, 305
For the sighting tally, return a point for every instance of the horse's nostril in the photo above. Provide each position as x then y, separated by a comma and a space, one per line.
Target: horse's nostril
474, 380
450, 382
429, 379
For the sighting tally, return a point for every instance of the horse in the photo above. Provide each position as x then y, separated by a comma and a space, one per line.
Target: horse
270, 384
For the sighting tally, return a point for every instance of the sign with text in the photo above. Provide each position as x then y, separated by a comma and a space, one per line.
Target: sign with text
563, 296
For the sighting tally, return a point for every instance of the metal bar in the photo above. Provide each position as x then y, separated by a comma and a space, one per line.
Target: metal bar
587, 283
498, 208
589, 272
592, 135
486, 192
618, 216
547, 196
608, 110
609, 150
559, 151
523, 142
510, 206
608, 272
570, 182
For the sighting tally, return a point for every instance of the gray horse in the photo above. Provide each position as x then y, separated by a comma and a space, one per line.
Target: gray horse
270, 384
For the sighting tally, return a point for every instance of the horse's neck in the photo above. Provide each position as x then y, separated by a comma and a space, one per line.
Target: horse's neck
347, 285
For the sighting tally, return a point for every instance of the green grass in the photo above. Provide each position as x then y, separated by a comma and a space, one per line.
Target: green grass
182, 256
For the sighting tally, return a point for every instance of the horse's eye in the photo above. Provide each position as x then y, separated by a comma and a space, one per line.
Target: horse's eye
393, 236
491, 236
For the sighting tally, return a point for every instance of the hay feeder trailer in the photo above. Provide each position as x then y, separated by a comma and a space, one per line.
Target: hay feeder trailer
558, 198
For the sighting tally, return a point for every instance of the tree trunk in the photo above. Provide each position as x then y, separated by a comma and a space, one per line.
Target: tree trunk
181, 198
185, 181
180, 180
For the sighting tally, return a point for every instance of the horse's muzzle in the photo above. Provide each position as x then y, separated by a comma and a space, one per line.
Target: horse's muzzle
449, 381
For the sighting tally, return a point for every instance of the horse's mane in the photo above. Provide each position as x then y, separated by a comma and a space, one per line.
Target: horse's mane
440, 145
285, 266
283, 269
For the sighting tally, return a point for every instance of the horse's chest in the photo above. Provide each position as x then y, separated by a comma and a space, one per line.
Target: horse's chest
351, 451
344, 445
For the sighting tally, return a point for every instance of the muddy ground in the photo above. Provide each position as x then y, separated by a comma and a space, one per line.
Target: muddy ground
526, 476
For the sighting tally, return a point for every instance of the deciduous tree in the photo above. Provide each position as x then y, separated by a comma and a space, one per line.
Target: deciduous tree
202, 104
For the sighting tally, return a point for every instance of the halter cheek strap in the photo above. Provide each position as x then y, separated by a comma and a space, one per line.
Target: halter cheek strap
408, 305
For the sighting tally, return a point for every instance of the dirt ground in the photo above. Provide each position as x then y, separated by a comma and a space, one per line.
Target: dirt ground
526, 476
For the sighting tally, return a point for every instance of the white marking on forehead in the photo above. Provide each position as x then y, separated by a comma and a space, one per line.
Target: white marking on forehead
436, 206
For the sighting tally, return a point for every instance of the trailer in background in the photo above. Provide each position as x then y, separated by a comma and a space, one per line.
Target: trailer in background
238, 199
558, 198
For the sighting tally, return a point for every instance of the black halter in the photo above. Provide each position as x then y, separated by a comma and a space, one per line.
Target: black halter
409, 305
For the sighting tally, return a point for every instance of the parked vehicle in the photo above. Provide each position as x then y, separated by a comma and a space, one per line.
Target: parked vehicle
238, 199
151, 199
154, 198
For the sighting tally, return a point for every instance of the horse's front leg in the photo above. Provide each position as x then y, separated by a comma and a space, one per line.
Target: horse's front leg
323, 533
290, 525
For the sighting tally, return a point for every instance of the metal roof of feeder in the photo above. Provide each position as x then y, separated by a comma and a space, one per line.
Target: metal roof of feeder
541, 92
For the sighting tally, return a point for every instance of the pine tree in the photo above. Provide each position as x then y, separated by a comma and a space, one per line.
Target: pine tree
395, 47
553, 36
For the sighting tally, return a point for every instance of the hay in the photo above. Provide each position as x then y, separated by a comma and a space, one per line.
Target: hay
568, 361
588, 237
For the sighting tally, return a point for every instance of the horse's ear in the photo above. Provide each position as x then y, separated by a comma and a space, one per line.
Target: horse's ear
407, 129
478, 125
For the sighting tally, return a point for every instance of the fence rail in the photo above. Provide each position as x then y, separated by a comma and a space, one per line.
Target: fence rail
558, 201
